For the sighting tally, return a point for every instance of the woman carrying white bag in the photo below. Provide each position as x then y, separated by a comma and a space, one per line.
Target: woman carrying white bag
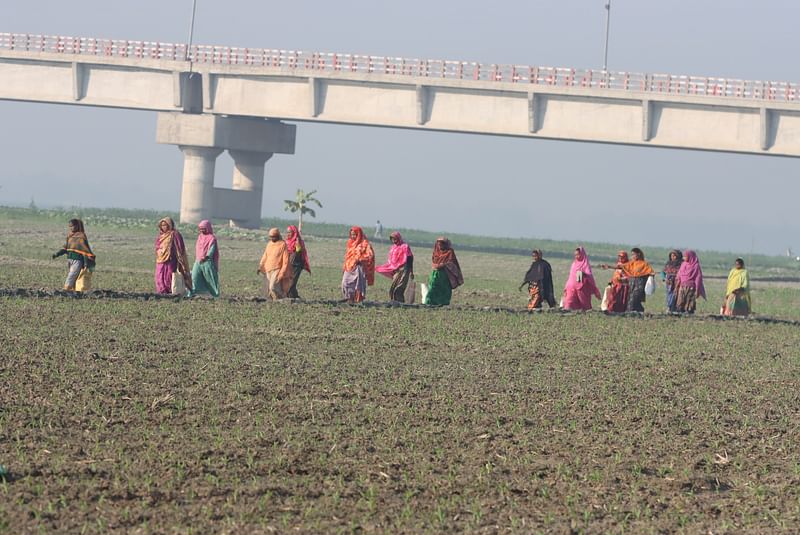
641, 280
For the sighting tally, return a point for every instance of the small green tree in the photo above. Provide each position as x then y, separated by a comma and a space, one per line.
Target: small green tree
302, 199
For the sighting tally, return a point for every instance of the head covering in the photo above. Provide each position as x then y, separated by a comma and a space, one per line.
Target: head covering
398, 256
274, 231
204, 243
738, 279
691, 274
77, 242
444, 257
637, 268
293, 241
672, 266
581, 263
164, 240
538, 268
360, 250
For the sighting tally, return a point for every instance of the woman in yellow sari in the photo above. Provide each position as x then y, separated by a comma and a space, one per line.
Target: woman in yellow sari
737, 292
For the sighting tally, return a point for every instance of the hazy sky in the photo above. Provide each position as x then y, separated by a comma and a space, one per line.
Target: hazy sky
71, 155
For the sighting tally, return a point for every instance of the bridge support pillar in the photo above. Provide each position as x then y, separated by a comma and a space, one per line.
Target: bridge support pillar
201, 138
197, 193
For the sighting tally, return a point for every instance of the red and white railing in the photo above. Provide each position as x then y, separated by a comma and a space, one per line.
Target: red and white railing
451, 70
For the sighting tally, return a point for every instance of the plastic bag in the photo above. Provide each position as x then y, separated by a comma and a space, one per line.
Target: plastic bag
178, 285
84, 281
650, 286
423, 290
411, 292
606, 299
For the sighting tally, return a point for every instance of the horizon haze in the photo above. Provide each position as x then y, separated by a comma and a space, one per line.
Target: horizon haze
497, 186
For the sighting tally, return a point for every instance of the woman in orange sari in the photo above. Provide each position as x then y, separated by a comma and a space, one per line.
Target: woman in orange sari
637, 271
358, 268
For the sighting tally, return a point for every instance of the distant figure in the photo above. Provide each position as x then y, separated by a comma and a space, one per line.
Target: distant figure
399, 267
671, 268
378, 230
274, 266
80, 258
358, 270
737, 292
580, 285
446, 275
539, 279
689, 283
205, 272
637, 271
298, 258
173, 275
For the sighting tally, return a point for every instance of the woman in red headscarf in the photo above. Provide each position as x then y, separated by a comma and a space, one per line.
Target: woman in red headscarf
358, 267
580, 285
298, 258
446, 275
205, 272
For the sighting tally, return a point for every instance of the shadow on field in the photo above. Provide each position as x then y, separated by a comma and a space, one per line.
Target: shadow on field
31, 293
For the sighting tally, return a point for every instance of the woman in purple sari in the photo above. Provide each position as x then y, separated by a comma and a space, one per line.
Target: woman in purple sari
170, 258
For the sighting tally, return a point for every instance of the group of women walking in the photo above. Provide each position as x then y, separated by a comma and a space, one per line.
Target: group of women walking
632, 280
359, 270
284, 260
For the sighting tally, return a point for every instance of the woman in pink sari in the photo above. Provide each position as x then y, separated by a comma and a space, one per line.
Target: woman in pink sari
580, 285
170, 258
689, 283
205, 272
399, 267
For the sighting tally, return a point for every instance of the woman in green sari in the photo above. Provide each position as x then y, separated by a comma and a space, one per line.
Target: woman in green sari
446, 275
205, 272
737, 292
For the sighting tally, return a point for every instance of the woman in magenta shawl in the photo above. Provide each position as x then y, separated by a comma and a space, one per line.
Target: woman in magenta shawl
170, 257
399, 267
298, 258
689, 283
205, 272
580, 285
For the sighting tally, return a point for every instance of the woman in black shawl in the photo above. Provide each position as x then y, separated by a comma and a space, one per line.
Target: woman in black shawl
539, 279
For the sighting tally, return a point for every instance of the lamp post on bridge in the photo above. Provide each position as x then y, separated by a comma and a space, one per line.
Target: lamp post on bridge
192, 91
191, 33
608, 24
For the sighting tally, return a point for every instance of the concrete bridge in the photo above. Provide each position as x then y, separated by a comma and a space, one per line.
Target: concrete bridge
212, 99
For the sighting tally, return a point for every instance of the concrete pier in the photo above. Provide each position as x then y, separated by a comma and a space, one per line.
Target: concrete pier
198, 183
201, 138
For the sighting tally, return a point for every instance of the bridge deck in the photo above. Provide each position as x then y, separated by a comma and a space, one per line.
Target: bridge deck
760, 117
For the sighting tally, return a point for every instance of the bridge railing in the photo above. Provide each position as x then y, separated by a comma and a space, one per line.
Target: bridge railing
425, 68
